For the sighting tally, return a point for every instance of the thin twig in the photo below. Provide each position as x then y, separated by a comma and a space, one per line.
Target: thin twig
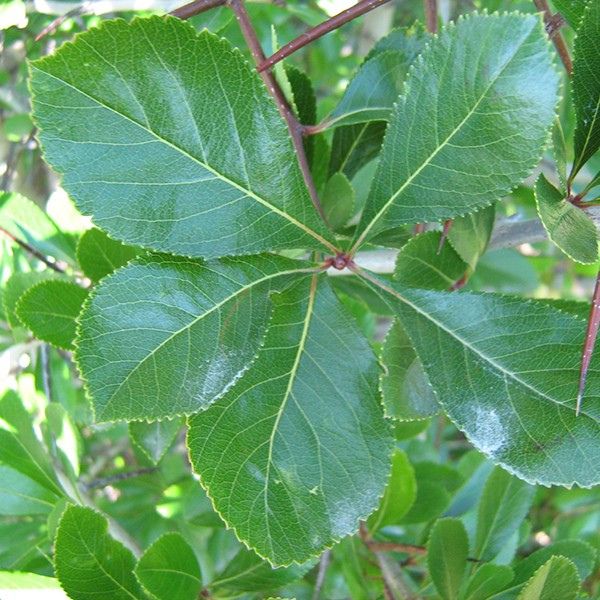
51, 263
431, 15
362, 7
286, 112
54, 25
590, 342
104, 481
557, 39
196, 7
323, 565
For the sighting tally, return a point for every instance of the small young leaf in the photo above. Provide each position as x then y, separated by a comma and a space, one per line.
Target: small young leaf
50, 309
289, 472
89, 563
185, 156
586, 86
399, 495
557, 578
20, 495
154, 439
503, 505
437, 164
165, 336
16, 286
487, 581
98, 255
247, 572
338, 200
169, 569
471, 234
567, 225
447, 552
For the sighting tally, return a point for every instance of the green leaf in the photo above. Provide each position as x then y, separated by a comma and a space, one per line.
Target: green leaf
154, 439
65, 438
28, 222
580, 553
247, 572
50, 308
447, 552
504, 503
471, 234
290, 472
423, 263
567, 225
98, 255
89, 563
406, 391
338, 201
410, 41
169, 569
165, 336
557, 578
506, 360
14, 580
559, 150
487, 581
187, 156
586, 86
399, 495
20, 448
459, 143
571, 10
16, 286
372, 92
431, 501
306, 105
20, 495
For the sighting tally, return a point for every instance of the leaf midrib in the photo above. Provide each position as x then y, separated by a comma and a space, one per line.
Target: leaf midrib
204, 165
428, 160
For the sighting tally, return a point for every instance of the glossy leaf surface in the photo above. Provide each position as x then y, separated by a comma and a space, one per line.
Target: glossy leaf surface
185, 110
297, 452
458, 143
165, 336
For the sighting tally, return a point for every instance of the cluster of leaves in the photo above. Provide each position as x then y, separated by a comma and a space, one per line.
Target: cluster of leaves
201, 298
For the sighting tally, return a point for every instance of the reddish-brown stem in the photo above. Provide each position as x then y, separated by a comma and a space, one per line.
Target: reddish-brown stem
557, 39
294, 126
54, 25
431, 15
51, 263
362, 7
447, 227
419, 228
590, 342
196, 7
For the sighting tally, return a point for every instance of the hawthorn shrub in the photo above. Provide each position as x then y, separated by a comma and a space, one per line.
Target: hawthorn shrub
259, 346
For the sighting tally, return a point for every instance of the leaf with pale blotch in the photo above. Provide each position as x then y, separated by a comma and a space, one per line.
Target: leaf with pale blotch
166, 336
503, 506
470, 234
98, 255
89, 563
154, 439
447, 552
586, 86
180, 149
298, 451
509, 378
169, 569
456, 143
567, 225
399, 496
50, 309
557, 578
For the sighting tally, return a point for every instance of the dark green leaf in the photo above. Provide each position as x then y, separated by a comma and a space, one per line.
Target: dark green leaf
20, 495
399, 495
169, 569
89, 563
447, 552
98, 255
567, 225
338, 200
154, 439
503, 506
188, 156
305, 102
290, 472
586, 86
439, 163
471, 234
50, 308
487, 580
431, 501
571, 10
555, 579
165, 336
